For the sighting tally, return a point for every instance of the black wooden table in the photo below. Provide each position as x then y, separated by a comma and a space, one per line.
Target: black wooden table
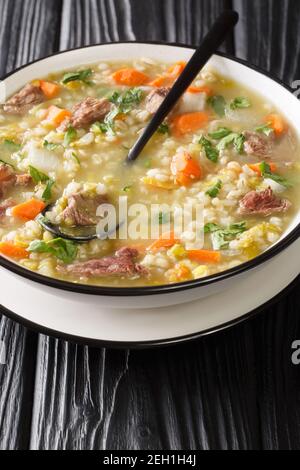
235, 390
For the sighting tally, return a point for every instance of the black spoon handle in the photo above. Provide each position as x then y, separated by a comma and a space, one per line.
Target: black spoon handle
209, 45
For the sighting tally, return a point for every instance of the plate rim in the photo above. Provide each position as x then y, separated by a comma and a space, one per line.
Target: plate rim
152, 344
156, 290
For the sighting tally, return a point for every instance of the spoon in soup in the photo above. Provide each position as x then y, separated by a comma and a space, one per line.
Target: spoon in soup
215, 37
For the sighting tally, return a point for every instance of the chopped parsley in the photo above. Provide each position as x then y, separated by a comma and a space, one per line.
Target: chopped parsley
39, 177
123, 104
163, 129
82, 76
240, 103
214, 191
267, 173
220, 133
70, 135
47, 194
221, 237
211, 152
64, 250
237, 140
218, 104
265, 129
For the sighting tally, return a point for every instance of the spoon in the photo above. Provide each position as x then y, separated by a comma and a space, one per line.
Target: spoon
208, 47
215, 37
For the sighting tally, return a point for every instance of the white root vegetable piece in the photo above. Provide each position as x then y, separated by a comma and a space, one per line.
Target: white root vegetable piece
192, 103
42, 159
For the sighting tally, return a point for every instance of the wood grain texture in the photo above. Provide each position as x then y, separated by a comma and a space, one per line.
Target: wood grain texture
268, 36
234, 390
28, 30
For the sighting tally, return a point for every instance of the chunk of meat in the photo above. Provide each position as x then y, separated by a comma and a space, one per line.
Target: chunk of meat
8, 179
81, 209
263, 203
87, 112
23, 180
258, 144
24, 100
4, 206
155, 99
123, 263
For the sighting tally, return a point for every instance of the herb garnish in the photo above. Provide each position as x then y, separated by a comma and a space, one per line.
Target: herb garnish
82, 76
237, 140
163, 129
70, 135
265, 129
218, 104
64, 250
221, 237
220, 133
240, 103
267, 173
211, 152
123, 104
39, 177
214, 191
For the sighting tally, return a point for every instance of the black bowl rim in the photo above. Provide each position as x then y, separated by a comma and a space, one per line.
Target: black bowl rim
163, 289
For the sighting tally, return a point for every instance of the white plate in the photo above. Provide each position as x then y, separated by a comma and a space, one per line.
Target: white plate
116, 318
150, 327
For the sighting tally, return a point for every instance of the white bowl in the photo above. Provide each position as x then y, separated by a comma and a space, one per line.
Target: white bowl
148, 297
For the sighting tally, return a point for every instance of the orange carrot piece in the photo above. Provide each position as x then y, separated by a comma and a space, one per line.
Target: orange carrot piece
176, 69
57, 115
256, 167
130, 77
277, 123
13, 251
204, 256
167, 240
187, 123
49, 89
28, 210
185, 169
161, 81
200, 89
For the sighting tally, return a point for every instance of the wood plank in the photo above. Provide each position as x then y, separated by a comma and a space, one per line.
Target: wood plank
95, 21
16, 384
268, 36
28, 30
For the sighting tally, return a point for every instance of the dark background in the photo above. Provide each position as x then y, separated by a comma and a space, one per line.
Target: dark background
235, 390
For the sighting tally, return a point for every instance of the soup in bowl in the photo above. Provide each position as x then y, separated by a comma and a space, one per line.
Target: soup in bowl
215, 188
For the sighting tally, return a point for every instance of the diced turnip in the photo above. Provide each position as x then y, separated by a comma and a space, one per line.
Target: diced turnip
192, 103
42, 159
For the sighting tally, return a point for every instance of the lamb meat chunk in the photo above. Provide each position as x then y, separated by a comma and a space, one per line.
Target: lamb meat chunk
258, 144
87, 112
4, 206
24, 100
123, 263
23, 180
155, 99
263, 203
8, 179
81, 209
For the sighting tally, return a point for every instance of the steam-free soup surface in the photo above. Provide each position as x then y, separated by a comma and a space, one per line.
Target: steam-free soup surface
64, 140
